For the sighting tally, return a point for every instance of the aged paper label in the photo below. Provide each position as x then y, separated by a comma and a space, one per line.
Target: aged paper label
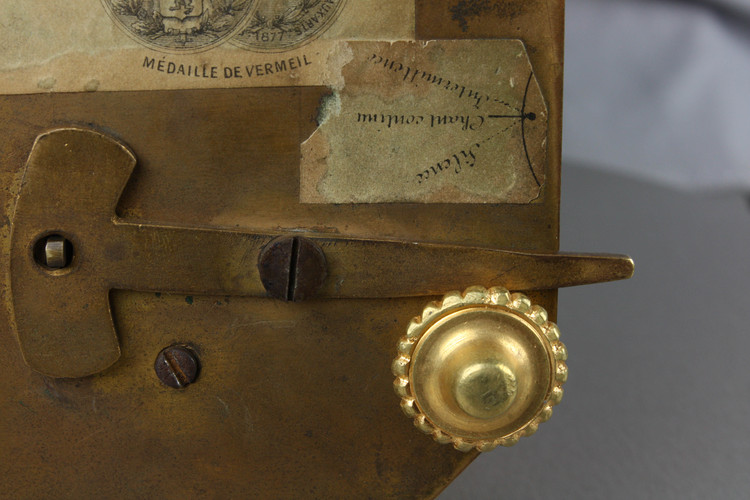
406, 121
457, 121
106, 45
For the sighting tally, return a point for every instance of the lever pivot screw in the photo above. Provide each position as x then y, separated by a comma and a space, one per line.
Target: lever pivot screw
292, 268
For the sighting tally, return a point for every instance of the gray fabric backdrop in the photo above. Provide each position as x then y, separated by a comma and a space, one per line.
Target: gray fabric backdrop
657, 405
660, 89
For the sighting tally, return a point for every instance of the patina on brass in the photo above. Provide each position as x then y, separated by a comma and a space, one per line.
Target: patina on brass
72, 183
294, 400
480, 369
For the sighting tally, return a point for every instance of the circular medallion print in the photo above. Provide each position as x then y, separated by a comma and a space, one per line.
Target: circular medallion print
278, 25
180, 25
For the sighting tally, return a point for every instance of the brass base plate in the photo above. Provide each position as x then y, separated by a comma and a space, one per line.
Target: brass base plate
293, 400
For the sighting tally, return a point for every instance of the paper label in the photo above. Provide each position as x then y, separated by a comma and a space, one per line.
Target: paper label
459, 121
113, 45
454, 121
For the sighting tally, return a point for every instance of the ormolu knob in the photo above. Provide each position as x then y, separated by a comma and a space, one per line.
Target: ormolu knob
480, 369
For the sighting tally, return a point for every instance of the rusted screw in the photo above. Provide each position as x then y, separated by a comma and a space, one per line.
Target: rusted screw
292, 268
177, 366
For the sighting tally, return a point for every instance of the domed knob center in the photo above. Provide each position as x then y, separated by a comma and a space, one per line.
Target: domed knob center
485, 389
480, 368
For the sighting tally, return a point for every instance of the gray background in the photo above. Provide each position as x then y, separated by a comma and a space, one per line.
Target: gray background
658, 400
656, 165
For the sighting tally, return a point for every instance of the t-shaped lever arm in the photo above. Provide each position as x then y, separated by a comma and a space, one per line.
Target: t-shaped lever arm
73, 181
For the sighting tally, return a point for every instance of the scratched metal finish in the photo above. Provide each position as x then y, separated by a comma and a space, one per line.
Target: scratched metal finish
293, 399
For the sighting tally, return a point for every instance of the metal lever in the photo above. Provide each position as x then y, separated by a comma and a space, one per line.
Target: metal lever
73, 181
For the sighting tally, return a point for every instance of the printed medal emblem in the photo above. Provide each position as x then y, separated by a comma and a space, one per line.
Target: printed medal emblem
283, 25
180, 25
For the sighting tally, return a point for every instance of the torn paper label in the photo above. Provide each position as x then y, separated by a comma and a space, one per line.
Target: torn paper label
453, 121
121, 45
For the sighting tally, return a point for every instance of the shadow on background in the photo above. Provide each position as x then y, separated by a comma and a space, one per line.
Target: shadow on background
657, 402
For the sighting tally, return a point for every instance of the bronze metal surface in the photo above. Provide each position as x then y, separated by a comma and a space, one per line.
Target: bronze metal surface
71, 185
294, 399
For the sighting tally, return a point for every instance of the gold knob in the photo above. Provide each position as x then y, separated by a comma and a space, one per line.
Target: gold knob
480, 369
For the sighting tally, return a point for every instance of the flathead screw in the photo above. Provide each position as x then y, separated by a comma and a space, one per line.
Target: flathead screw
292, 268
177, 366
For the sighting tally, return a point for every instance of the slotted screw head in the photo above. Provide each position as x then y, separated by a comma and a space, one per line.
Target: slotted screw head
292, 268
177, 366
